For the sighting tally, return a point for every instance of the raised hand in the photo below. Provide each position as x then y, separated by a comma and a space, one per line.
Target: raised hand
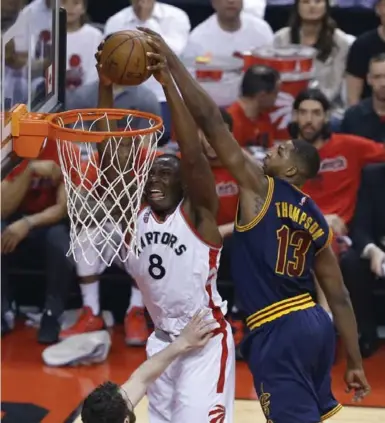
158, 66
156, 41
102, 78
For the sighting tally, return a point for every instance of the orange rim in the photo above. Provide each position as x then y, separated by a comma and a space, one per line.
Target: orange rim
71, 116
30, 130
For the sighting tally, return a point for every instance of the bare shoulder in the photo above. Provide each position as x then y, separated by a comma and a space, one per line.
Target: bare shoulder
203, 222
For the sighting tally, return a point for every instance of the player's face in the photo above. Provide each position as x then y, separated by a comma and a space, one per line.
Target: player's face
266, 100
164, 186
228, 9
311, 119
75, 10
376, 79
278, 160
311, 10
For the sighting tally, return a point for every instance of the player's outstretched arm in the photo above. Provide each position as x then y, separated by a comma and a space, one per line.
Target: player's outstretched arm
329, 276
197, 174
208, 118
195, 335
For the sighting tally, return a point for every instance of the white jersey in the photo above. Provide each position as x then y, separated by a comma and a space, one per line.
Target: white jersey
176, 271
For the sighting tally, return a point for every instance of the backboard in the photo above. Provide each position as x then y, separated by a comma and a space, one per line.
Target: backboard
33, 61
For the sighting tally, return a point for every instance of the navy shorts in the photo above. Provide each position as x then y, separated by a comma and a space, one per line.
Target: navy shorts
291, 360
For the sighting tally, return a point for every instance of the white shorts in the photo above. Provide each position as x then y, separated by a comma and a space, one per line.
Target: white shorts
198, 387
91, 251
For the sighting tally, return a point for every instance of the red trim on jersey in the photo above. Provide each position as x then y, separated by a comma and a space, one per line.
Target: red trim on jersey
195, 232
218, 316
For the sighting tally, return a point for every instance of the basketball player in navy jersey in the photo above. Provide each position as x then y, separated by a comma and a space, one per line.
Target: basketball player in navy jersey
281, 238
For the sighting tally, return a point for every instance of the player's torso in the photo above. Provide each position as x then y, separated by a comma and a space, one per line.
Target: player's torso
175, 270
272, 258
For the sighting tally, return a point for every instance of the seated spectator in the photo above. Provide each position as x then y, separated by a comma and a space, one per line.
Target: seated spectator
343, 157
367, 118
33, 214
170, 22
365, 47
311, 25
82, 42
368, 235
251, 122
228, 31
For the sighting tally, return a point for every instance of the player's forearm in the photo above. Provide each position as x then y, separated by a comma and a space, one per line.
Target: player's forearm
106, 101
345, 321
151, 369
13, 192
53, 214
184, 125
201, 106
49, 216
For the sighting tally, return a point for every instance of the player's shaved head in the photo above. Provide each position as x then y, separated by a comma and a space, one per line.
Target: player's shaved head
306, 157
295, 161
169, 160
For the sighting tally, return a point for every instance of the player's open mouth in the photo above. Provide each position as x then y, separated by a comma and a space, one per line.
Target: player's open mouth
156, 194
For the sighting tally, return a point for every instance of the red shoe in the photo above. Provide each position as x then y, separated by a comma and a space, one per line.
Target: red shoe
87, 323
135, 327
238, 329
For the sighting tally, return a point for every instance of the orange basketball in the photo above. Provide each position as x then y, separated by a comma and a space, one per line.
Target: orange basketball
123, 58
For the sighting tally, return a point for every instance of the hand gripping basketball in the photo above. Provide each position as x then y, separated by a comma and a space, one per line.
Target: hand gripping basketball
156, 41
158, 66
103, 78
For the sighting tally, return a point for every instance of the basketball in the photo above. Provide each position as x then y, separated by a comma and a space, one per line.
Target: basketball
123, 58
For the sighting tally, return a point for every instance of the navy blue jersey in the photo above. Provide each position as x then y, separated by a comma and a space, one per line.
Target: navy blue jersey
273, 256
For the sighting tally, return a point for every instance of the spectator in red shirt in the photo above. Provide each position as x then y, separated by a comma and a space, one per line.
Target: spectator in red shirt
251, 121
342, 159
33, 215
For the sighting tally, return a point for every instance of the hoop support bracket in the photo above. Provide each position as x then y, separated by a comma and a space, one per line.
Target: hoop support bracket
29, 132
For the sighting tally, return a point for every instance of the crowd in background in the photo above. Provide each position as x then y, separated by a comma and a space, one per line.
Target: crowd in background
347, 93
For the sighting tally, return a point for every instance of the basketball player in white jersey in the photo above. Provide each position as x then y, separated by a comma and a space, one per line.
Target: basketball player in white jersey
179, 249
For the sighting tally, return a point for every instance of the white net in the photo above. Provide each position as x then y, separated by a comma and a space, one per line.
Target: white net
104, 185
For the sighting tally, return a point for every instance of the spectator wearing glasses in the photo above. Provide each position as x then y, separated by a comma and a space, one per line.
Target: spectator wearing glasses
367, 118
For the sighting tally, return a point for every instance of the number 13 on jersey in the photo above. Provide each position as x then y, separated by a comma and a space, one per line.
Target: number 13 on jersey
299, 243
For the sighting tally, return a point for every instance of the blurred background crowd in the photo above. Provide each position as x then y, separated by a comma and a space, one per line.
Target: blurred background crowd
260, 61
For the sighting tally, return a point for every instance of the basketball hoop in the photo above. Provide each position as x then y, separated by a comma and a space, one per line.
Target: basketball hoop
102, 212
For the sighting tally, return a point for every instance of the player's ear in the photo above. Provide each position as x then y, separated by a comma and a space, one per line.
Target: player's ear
291, 171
